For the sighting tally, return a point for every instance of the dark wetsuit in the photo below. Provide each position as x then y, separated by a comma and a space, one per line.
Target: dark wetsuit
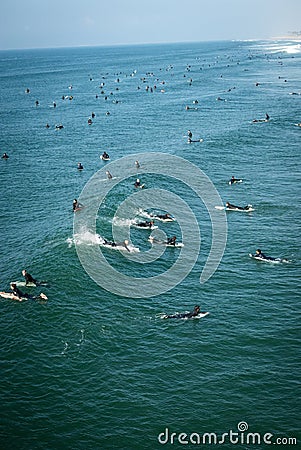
188, 315
242, 208
145, 224
264, 257
171, 241
29, 279
19, 294
164, 216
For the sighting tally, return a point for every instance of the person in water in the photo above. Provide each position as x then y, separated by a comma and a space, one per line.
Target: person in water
118, 244
196, 311
105, 155
137, 183
234, 180
261, 255
145, 224
241, 208
109, 175
22, 296
80, 166
171, 240
137, 164
28, 278
76, 205
164, 216
5, 156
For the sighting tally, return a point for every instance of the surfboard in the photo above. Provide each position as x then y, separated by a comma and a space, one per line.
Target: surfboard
199, 316
11, 296
221, 208
139, 227
177, 244
21, 283
272, 261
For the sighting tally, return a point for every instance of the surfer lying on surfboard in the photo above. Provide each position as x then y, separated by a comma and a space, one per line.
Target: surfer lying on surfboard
16, 294
196, 313
235, 180
241, 208
262, 257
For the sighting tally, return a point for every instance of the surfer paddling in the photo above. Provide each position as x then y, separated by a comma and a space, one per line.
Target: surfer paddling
189, 315
20, 296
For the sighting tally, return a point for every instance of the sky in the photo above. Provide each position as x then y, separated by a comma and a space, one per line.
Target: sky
69, 23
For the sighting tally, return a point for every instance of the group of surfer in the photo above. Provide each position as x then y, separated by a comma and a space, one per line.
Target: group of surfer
17, 294
258, 255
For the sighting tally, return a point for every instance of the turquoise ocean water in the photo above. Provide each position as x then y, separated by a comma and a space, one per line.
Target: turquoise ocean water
93, 370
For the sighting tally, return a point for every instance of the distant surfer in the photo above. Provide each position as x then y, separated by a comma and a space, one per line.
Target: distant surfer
105, 156
119, 244
29, 278
164, 216
263, 257
234, 180
189, 315
171, 240
137, 164
189, 134
80, 166
20, 296
76, 205
109, 175
5, 156
145, 224
137, 183
241, 208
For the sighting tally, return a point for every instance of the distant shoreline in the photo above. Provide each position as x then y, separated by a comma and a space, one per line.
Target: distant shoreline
286, 37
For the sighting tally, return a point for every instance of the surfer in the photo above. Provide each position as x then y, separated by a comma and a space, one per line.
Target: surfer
164, 216
145, 224
241, 208
263, 257
76, 205
109, 175
105, 155
137, 164
234, 180
171, 240
119, 244
189, 134
137, 183
5, 156
80, 166
21, 296
28, 278
187, 315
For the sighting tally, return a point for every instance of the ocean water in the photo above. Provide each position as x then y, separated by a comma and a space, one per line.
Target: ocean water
90, 369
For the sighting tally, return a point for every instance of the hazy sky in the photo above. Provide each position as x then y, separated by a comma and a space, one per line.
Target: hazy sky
64, 23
